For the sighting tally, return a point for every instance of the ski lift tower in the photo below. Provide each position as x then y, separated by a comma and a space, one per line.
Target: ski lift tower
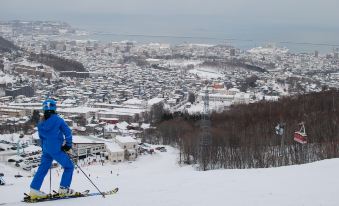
205, 138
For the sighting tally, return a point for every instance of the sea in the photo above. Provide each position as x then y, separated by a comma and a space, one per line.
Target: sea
212, 30
203, 30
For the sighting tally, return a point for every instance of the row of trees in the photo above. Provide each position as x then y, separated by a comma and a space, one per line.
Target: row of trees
7, 46
234, 63
58, 63
244, 136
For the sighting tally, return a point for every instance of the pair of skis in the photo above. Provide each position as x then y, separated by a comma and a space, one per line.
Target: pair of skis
56, 196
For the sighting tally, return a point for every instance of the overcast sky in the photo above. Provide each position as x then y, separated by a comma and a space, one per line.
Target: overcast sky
311, 12
315, 21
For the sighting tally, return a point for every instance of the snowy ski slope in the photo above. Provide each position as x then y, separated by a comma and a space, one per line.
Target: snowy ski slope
159, 180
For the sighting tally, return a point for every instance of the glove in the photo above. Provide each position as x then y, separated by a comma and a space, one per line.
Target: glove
66, 148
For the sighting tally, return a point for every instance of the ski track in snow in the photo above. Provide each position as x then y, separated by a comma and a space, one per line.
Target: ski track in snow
158, 180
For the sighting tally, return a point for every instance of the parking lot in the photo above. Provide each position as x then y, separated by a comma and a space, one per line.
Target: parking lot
26, 156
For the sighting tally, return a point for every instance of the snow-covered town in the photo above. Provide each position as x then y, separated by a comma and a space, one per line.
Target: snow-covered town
135, 76
112, 95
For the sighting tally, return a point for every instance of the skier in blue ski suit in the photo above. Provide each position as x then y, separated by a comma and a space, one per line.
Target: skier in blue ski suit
56, 139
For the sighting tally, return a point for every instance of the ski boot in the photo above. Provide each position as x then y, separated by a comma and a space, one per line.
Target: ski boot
37, 194
65, 191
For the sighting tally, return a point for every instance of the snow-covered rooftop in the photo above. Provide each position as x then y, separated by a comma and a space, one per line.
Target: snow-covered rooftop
122, 125
84, 139
155, 100
78, 109
113, 147
125, 139
134, 101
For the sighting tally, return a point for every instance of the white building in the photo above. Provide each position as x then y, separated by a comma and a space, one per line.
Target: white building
123, 114
138, 103
114, 152
117, 151
241, 98
233, 91
218, 97
129, 144
83, 147
126, 142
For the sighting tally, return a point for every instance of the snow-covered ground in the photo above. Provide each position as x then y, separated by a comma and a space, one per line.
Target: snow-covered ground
159, 180
182, 63
207, 72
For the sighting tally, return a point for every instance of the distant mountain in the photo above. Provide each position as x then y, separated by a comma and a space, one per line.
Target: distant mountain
58, 63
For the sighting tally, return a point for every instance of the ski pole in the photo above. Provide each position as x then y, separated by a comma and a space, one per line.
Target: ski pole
50, 180
71, 156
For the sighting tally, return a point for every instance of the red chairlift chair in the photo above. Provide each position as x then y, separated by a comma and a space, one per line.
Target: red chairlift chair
301, 136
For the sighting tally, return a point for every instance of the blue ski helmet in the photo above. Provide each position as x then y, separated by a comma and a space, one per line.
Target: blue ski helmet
49, 104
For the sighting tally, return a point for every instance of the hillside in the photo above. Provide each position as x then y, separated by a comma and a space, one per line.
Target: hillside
244, 136
7, 46
58, 63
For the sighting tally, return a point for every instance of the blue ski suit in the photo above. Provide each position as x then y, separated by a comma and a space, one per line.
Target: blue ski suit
53, 133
